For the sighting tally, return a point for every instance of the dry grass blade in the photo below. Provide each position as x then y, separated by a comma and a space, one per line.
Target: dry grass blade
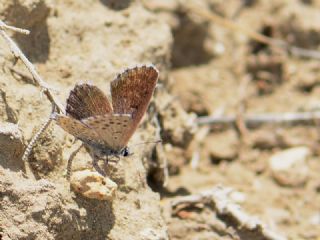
268, 118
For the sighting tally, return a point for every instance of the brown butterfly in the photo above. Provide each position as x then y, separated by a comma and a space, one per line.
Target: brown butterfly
104, 127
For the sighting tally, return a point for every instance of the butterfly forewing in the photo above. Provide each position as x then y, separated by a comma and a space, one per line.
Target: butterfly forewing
86, 100
111, 128
131, 92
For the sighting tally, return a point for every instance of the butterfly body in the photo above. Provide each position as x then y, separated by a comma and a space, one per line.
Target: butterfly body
104, 127
104, 152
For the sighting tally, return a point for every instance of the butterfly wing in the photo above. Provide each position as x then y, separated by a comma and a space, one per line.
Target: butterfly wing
90, 116
131, 92
77, 128
86, 100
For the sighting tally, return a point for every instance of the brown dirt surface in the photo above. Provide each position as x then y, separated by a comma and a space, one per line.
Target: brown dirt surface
205, 69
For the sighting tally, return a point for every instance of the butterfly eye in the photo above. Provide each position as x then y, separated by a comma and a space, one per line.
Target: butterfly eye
125, 152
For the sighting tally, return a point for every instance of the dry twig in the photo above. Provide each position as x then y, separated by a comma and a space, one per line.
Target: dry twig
254, 120
11, 114
22, 75
4, 26
19, 54
242, 105
161, 156
45, 88
218, 197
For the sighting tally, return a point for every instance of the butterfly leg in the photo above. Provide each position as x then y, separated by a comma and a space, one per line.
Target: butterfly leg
96, 165
95, 157
114, 159
69, 165
106, 162
118, 158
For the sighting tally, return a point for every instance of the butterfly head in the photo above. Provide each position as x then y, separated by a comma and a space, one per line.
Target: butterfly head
125, 152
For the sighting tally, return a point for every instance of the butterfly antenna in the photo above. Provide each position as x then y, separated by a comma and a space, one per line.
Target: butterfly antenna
148, 142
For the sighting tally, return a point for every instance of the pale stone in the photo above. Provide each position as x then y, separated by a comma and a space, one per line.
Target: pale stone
289, 167
92, 185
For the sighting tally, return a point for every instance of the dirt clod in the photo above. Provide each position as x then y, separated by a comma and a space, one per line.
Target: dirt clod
11, 146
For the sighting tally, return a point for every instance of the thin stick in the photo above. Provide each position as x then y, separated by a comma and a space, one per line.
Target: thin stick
242, 104
258, 119
11, 114
4, 26
22, 75
19, 54
219, 198
295, 51
45, 88
160, 151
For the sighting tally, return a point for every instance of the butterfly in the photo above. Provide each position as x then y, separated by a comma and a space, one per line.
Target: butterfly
106, 127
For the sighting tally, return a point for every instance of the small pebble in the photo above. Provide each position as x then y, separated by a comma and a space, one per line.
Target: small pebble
92, 185
289, 167
315, 219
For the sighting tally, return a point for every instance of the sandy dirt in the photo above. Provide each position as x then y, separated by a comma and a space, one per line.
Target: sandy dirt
205, 69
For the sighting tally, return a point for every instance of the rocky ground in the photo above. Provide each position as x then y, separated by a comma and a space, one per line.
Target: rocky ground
207, 68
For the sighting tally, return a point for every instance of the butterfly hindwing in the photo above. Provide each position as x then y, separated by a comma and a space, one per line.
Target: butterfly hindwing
86, 100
